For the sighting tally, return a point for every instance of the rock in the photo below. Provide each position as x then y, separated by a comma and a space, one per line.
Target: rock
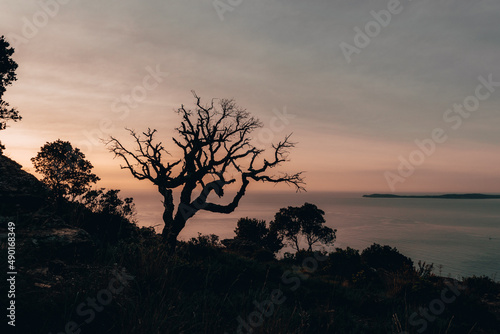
19, 190
61, 243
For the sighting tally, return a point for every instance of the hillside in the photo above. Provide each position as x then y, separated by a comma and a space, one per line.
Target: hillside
79, 269
19, 190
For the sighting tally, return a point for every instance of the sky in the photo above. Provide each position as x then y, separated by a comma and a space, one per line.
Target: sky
371, 90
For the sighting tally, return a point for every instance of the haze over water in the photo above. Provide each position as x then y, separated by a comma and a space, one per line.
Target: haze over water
461, 235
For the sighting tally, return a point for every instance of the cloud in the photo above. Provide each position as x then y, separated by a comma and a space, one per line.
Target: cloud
265, 54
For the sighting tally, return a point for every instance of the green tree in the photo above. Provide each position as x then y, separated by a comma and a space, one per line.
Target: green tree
305, 222
255, 231
64, 169
7, 76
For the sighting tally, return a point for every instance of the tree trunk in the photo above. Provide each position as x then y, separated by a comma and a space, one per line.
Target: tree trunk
175, 224
168, 218
171, 232
170, 241
169, 237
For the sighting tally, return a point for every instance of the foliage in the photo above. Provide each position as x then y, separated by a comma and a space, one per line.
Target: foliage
424, 270
255, 231
111, 218
7, 65
210, 293
65, 170
7, 75
206, 240
480, 285
108, 202
306, 221
345, 263
107, 217
385, 257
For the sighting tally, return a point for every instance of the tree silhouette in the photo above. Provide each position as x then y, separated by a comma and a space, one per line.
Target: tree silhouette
307, 221
64, 169
7, 76
108, 202
255, 231
216, 144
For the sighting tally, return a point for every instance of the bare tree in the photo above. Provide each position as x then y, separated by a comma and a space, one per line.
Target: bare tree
216, 144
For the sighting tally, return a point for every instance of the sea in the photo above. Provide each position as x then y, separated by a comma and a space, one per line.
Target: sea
461, 237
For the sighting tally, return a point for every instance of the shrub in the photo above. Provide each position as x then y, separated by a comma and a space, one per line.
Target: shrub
344, 263
385, 257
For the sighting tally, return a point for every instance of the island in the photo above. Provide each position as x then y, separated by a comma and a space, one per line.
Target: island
445, 196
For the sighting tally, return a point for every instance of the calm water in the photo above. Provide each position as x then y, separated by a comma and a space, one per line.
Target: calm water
461, 236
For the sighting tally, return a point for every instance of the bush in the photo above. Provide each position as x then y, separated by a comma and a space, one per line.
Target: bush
206, 240
344, 263
385, 257
481, 285
256, 232
104, 215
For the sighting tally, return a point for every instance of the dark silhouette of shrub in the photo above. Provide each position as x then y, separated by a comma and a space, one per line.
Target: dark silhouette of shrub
254, 239
344, 263
385, 257
65, 170
256, 232
480, 285
103, 214
108, 202
7, 75
206, 240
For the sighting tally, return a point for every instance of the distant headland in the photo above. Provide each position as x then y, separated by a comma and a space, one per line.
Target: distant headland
445, 196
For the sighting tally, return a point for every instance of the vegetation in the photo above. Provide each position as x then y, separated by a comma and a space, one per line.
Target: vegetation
205, 288
210, 287
108, 202
306, 221
7, 75
385, 257
65, 170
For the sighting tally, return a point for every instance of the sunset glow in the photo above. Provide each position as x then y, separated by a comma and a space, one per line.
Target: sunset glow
352, 121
